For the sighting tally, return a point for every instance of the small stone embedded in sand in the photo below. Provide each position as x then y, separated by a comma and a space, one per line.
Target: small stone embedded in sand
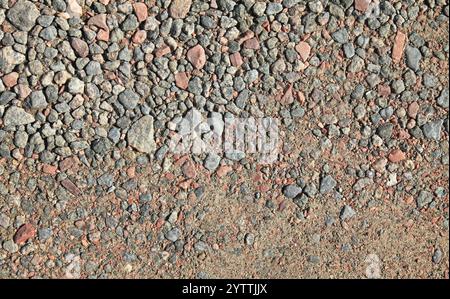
140, 135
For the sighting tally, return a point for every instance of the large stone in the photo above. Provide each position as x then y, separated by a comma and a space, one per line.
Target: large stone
197, 57
23, 15
76, 86
129, 99
399, 46
432, 129
180, 8
80, 47
327, 184
74, 9
140, 135
10, 58
16, 116
24, 233
291, 191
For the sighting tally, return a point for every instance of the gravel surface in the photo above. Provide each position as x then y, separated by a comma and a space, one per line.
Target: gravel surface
93, 93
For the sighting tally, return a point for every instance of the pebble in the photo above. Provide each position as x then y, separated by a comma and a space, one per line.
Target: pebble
413, 58
291, 191
346, 213
327, 184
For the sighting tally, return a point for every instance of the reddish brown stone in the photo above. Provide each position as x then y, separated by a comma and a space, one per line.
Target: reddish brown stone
362, 5
10, 80
396, 156
236, 59
140, 9
24, 233
181, 80
413, 109
180, 8
131, 172
223, 170
49, 169
301, 97
304, 49
71, 187
68, 163
197, 57
103, 35
252, 43
287, 97
399, 46
74, 9
384, 90
139, 37
80, 47
99, 21
189, 169
161, 51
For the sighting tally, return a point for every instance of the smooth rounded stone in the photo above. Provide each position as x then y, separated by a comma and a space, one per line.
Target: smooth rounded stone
211, 161
140, 136
23, 15
413, 58
346, 213
129, 99
327, 184
432, 129
291, 191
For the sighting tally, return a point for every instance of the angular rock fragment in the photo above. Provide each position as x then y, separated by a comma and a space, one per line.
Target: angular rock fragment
16, 116
140, 136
